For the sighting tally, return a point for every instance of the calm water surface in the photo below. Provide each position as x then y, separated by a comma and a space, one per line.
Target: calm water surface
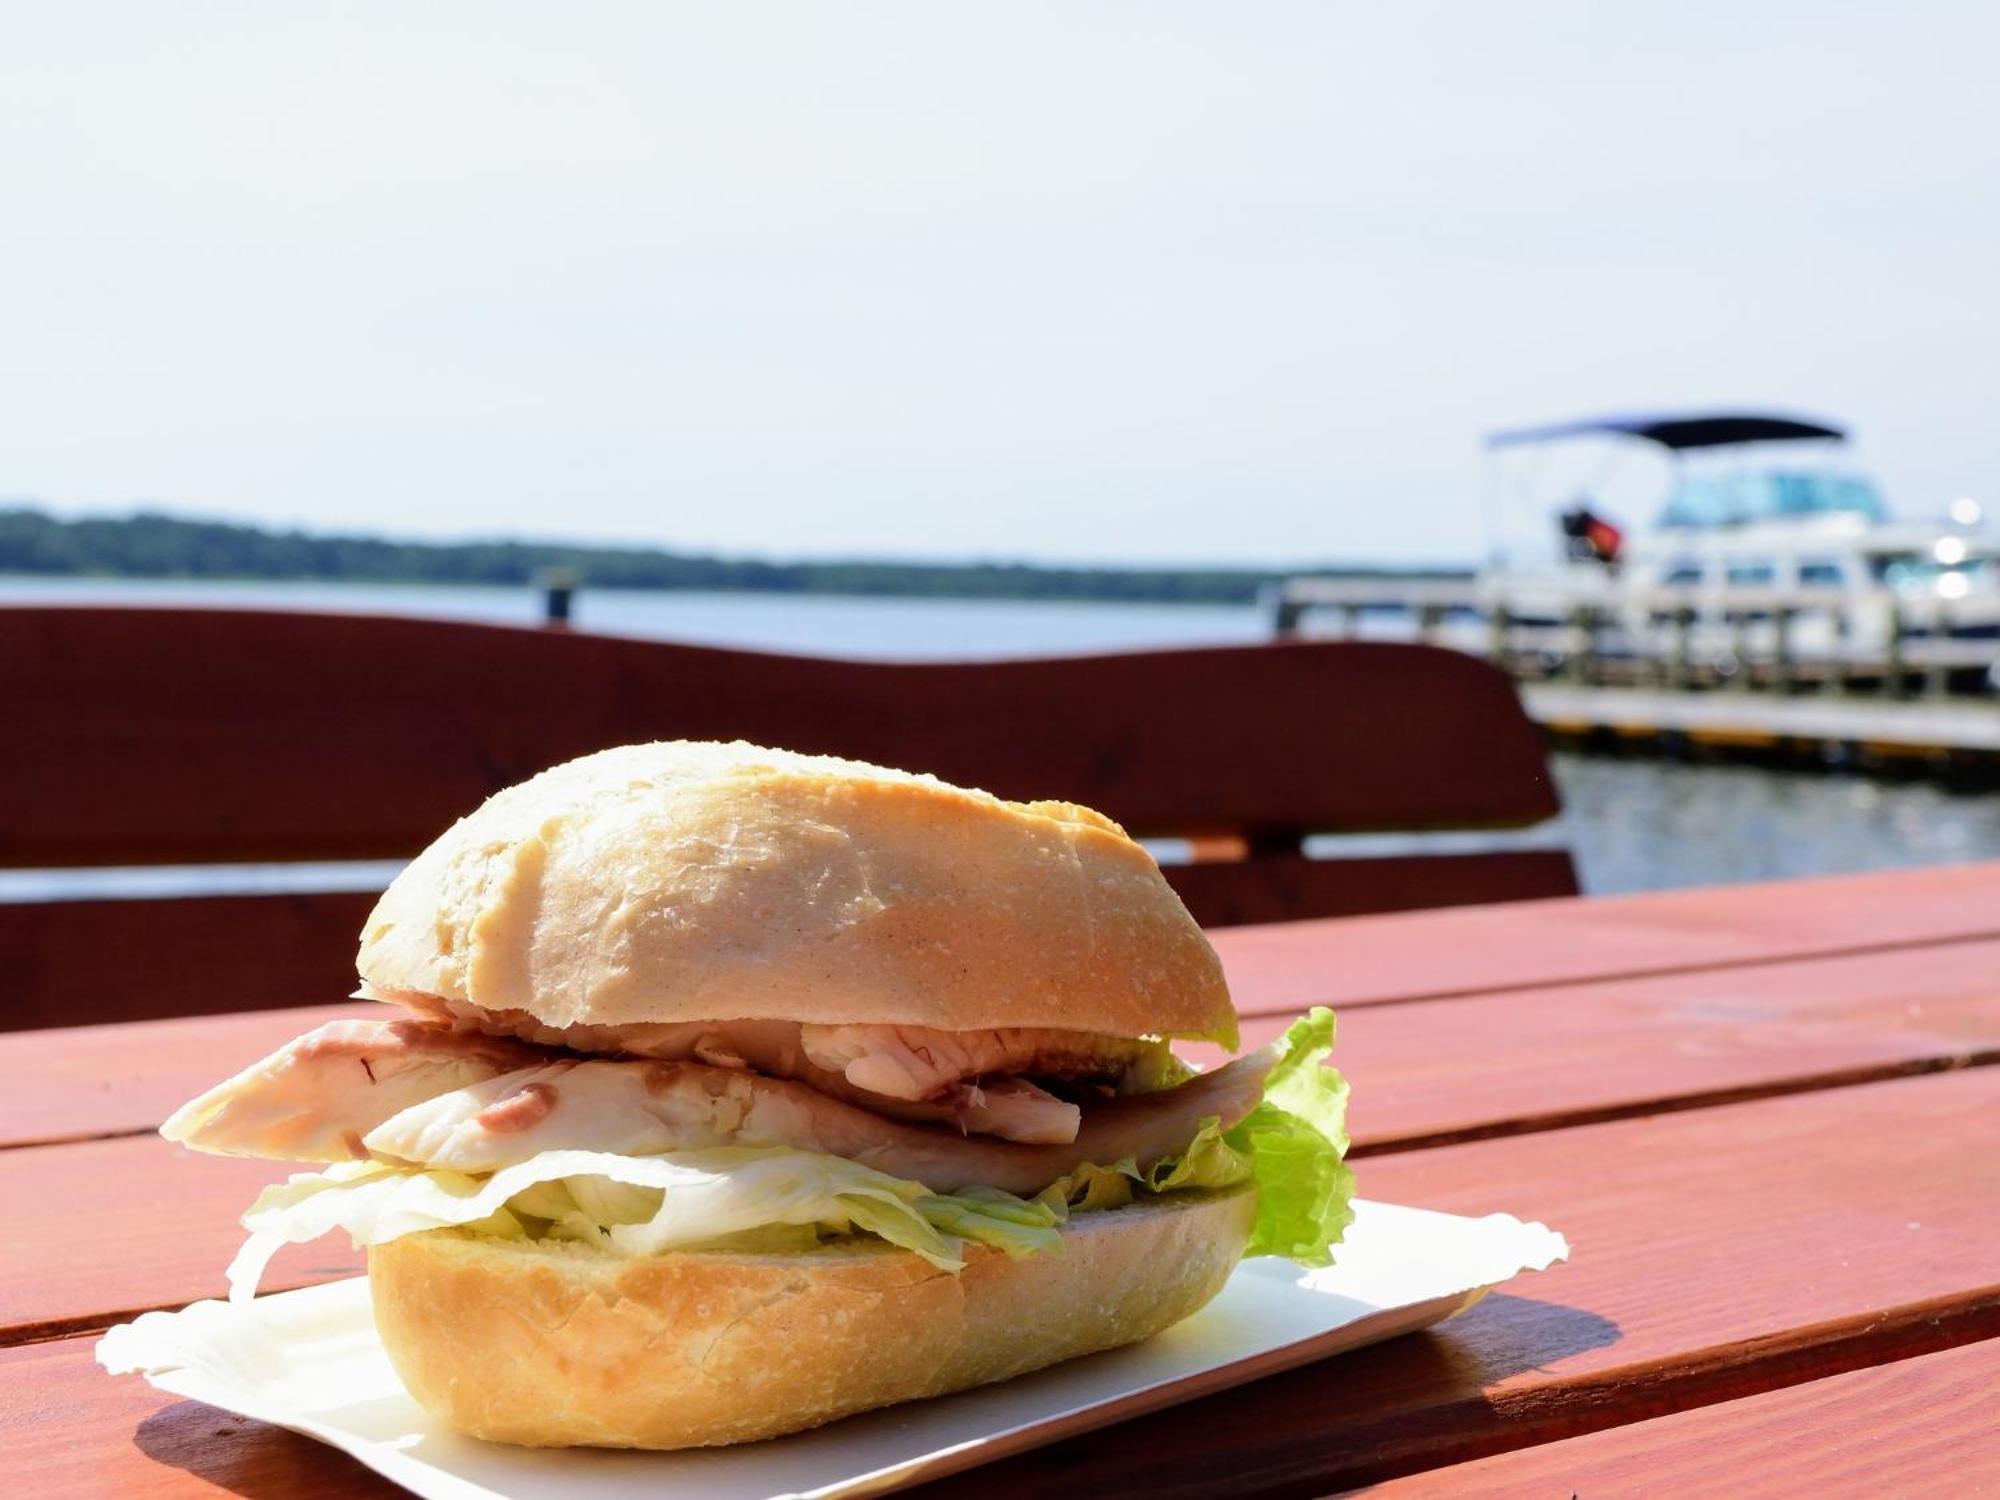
1633, 824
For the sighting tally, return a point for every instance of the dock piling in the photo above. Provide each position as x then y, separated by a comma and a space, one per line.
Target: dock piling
558, 586
1784, 671
1937, 675
1683, 657
1893, 685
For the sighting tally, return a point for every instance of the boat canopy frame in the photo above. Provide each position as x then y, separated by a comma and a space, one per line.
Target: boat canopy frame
1679, 431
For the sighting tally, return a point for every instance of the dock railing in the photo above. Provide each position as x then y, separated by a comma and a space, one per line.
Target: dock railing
1776, 640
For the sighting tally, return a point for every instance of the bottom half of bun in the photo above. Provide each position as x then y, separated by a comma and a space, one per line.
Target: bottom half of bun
555, 1344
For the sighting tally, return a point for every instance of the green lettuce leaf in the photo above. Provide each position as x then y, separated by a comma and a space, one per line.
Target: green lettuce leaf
1292, 1146
1296, 1141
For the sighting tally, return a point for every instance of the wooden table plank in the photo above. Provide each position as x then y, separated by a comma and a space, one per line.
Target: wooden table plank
1918, 1427
80, 1082
1440, 1070
98, 1230
1717, 1253
81, 1432
1486, 949
1432, 1070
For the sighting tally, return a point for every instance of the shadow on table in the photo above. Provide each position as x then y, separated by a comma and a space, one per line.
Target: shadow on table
1349, 1420
253, 1459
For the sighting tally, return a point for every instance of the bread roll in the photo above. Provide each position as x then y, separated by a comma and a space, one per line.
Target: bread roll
703, 882
552, 1343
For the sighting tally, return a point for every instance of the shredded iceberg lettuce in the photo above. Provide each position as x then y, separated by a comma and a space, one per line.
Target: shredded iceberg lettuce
641, 1205
744, 1198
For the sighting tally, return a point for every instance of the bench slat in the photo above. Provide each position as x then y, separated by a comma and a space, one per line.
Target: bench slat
88, 962
147, 736
76, 962
64, 964
1277, 888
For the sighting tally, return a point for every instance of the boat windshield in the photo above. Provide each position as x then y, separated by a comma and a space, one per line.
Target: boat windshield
1701, 501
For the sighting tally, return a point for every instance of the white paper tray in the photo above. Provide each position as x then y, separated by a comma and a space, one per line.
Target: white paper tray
309, 1360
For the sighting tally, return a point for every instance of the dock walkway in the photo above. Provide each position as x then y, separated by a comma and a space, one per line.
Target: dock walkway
1761, 719
1872, 675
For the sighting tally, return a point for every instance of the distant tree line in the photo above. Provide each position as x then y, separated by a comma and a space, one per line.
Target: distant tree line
151, 545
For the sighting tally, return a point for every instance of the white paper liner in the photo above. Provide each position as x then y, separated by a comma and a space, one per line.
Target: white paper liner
309, 1360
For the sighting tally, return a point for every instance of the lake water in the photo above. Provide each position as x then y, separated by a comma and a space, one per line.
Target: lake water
1632, 824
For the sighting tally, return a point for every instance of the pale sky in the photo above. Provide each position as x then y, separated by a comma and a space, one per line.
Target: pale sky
1077, 281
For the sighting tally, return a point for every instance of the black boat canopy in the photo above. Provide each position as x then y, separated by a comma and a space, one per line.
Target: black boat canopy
1678, 430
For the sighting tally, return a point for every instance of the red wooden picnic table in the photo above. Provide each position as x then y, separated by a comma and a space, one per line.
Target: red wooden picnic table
1761, 1115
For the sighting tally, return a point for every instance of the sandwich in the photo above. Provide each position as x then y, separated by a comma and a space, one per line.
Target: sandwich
721, 1092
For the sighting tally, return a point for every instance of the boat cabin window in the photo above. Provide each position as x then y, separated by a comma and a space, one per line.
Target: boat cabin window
1821, 573
1682, 575
1918, 570
1701, 501
1753, 575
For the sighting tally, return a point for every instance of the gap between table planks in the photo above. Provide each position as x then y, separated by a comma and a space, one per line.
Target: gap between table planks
1825, 1437
1685, 1289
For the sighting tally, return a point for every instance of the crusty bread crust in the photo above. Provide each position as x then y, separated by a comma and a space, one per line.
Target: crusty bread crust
692, 881
557, 1345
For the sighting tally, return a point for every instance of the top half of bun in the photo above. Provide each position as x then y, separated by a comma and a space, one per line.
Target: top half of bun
690, 881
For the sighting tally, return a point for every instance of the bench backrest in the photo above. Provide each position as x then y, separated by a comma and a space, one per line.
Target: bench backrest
141, 737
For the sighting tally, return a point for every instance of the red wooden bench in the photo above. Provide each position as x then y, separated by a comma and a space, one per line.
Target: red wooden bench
196, 737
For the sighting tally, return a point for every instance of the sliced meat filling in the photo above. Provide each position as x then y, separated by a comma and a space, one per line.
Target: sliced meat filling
644, 1108
983, 1082
315, 1097
917, 1062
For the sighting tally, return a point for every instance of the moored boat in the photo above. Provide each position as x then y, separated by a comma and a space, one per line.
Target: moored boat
1762, 512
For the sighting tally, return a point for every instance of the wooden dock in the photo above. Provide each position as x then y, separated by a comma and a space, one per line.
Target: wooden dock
1757, 720
1842, 677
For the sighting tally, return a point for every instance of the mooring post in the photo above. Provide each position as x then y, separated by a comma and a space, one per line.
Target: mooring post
1840, 656
1739, 647
1783, 678
1937, 675
1498, 628
1583, 653
558, 586
1286, 612
1430, 615
1892, 671
1683, 669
